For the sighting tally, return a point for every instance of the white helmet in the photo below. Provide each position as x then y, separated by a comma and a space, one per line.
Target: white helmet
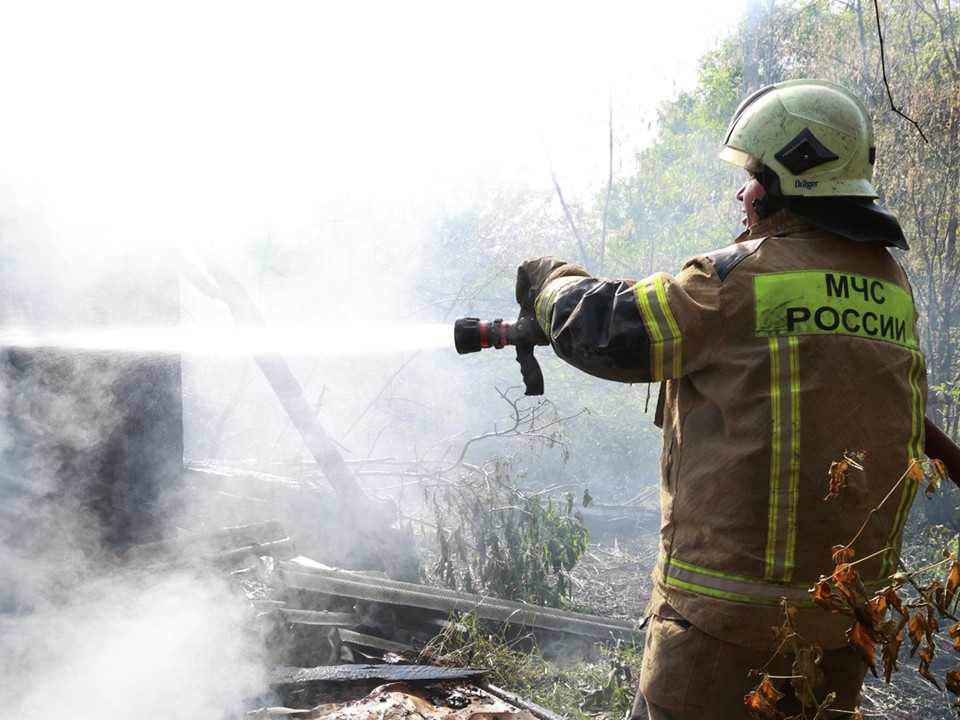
814, 135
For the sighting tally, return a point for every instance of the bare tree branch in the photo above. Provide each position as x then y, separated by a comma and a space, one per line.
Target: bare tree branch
606, 201
883, 67
524, 425
584, 256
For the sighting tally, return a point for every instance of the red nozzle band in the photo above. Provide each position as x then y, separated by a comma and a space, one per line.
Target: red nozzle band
492, 333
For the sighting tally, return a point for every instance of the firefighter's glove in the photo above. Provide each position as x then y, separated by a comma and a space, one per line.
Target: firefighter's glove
533, 275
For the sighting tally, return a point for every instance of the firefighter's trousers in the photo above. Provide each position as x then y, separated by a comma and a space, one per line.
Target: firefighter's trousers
687, 674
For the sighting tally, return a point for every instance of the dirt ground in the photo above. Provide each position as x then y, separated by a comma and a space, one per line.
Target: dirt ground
613, 576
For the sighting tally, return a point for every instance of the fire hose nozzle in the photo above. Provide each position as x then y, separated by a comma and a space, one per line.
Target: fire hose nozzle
473, 335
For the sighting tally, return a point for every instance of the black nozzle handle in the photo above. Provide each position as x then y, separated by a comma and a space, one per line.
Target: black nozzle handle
530, 370
529, 329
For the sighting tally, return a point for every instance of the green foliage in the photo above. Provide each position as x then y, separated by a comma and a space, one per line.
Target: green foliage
487, 234
680, 200
602, 686
495, 538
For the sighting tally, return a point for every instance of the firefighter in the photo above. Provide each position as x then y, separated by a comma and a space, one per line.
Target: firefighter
792, 348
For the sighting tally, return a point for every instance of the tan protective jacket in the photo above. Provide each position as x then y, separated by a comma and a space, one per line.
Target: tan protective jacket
780, 354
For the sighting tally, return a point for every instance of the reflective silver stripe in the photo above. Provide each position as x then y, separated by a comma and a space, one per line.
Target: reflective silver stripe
731, 587
738, 588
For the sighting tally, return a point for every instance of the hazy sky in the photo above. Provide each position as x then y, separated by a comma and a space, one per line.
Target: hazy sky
212, 119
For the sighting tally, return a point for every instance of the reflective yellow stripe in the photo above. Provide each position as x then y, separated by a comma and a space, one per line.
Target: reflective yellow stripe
662, 327
794, 457
653, 330
545, 300
776, 428
914, 450
784, 458
674, 345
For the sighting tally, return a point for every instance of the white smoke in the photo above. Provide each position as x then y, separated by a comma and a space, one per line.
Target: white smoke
167, 646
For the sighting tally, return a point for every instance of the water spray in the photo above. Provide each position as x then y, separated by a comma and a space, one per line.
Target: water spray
333, 339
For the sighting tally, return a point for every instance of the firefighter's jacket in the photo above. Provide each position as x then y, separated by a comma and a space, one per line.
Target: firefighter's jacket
780, 355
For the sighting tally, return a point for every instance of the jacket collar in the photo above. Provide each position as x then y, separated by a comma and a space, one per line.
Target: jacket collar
782, 222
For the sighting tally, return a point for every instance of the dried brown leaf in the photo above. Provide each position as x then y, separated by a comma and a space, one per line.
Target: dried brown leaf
762, 702
891, 649
916, 630
887, 598
865, 643
844, 573
842, 554
789, 615
781, 638
953, 682
847, 581
915, 471
822, 595
953, 582
926, 657
935, 595
838, 473
941, 469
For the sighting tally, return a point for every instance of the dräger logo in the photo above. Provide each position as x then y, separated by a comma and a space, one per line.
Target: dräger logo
806, 184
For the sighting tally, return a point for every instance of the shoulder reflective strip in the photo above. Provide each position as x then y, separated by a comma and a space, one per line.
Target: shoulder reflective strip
784, 458
739, 588
545, 300
914, 450
820, 302
732, 587
662, 327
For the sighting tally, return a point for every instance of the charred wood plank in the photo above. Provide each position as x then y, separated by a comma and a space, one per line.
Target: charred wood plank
221, 546
352, 585
371, 642
291, 677
294, 616
278, 549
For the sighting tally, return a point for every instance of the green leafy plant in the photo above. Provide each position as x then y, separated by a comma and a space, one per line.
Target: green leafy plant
495, 538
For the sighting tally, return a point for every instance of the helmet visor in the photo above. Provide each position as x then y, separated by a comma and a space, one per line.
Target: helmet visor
741, 159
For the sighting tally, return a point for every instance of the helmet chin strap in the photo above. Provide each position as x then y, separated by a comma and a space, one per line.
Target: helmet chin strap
767, 205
